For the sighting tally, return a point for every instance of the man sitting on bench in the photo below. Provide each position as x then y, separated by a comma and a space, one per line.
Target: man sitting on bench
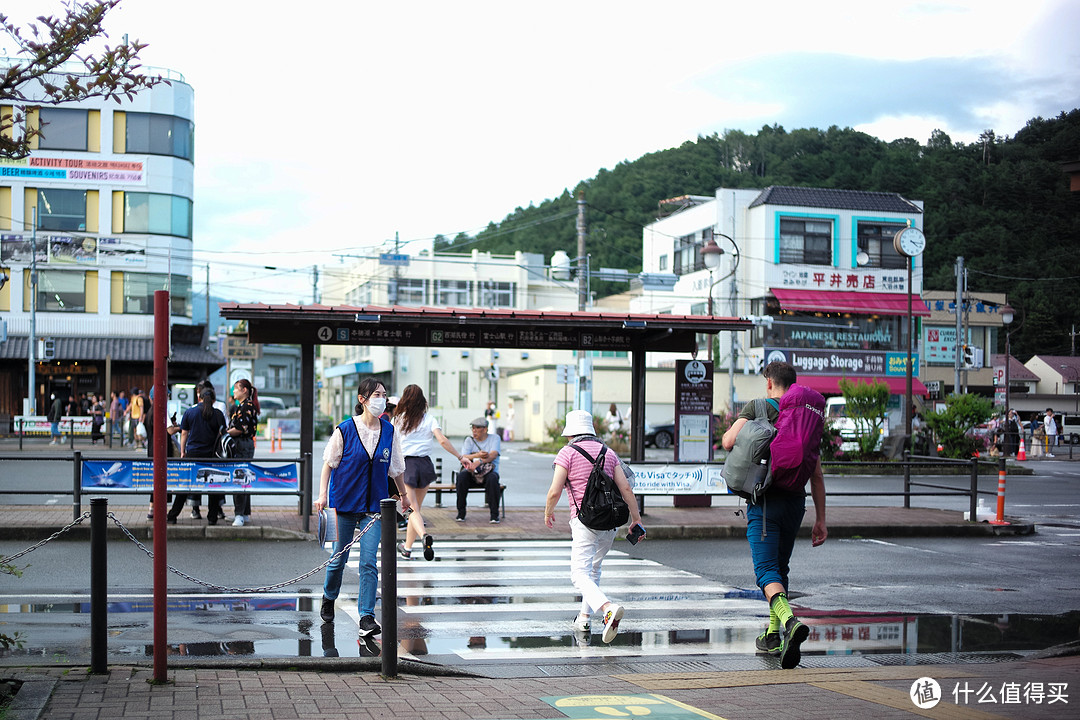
479, 468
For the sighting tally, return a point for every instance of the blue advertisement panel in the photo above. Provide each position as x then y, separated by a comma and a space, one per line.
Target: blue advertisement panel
190, 476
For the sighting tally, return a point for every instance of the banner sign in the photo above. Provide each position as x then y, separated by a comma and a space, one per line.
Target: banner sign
678, 479
843, 362
40, 425
190, 476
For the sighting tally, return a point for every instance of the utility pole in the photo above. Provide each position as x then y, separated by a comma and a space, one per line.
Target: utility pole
394, 301
314, 284
967, 325
31, 394
960, 342
584, 395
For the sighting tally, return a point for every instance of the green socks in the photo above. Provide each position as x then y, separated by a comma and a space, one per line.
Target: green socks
779, 610
774, 622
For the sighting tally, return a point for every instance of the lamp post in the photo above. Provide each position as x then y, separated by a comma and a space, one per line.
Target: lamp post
1007, 315
711, 254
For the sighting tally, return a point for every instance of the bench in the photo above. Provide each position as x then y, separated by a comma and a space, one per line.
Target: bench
451, 487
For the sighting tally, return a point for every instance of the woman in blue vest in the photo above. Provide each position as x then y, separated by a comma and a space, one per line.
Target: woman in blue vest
359, 461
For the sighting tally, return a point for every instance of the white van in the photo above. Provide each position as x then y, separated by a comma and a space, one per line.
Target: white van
836, 416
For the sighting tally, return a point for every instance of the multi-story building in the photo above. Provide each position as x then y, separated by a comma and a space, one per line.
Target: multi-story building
817, 266
94, 221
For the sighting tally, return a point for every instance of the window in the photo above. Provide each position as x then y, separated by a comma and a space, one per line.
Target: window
61, 209
876, 240
139, 293
807, 242
453, 293
688, 255
157, 214
662, 267
497, 294
156, 134
463, 388
410, 291
59, 291
62, 129
433, 387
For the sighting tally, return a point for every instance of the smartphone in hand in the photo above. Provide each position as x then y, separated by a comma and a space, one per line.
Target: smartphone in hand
636, 533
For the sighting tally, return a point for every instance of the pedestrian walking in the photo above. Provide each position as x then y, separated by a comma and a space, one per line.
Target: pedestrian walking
54, 416
416, 428
199, 430
1051, 429
588, 547
773, 521
362, 465
97, 419
120, 416
243, 423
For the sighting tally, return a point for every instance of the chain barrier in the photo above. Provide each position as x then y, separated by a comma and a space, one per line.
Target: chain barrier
232, 590
58, 533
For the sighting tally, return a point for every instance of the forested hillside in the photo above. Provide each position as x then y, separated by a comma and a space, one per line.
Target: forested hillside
1002, 202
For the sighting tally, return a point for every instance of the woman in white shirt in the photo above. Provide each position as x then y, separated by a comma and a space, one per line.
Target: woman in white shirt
415, 428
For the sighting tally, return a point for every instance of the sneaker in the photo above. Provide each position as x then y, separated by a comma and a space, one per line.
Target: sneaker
494, 521
368, 647
402, 551
1049, 454
794, 635
429, 553
582, 632
326, 612
170, 519
768, 642
238, 521
460, 518
195, 514
581, 624
368, 626
612, 616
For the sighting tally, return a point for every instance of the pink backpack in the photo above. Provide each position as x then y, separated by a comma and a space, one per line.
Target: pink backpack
797, 444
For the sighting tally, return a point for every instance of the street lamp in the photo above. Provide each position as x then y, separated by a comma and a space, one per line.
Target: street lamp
711, 255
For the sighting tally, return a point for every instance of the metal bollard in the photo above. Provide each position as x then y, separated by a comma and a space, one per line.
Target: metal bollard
388, 508
22, 431
99, 576
974, 496
907, 478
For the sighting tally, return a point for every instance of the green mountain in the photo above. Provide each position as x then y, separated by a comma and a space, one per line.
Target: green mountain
1001, 202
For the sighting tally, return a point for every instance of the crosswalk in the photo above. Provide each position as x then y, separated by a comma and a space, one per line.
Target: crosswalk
491, 600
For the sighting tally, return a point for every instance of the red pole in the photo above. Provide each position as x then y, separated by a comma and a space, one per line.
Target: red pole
161, 577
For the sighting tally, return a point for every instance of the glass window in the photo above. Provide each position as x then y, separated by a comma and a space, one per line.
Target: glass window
876, 240
139, 291
62, 129
157, 214
433, 388
463, 388
59, 291
687, 255
61, 209
411, 291
663, 264
453, 293
156, 134
497, 294
807, 242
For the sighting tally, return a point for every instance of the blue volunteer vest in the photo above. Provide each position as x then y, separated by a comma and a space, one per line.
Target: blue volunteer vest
359, 481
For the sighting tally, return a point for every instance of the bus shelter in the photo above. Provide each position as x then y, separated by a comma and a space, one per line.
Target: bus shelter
634, 333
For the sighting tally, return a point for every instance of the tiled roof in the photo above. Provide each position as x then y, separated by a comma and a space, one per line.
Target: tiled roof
121, 349
832, 198
1017, 370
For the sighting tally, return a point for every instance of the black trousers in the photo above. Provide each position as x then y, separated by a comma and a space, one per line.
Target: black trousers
490, 483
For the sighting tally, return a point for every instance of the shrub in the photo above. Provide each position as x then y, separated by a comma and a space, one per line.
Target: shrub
953, 426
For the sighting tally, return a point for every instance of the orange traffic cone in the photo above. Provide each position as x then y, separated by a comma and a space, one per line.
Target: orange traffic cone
940, 448
1022, 453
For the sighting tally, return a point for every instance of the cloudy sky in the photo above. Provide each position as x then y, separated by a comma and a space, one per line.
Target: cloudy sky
327, 127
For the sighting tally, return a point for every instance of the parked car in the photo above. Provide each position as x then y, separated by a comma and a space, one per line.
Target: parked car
663, 436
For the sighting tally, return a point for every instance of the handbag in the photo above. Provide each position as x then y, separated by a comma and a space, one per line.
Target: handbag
482, 469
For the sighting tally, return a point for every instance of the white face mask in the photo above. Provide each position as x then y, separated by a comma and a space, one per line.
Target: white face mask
376, 406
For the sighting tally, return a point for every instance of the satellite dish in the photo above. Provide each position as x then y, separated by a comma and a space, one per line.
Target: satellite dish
862, 259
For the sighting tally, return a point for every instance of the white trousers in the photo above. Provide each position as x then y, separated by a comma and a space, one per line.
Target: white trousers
587, 552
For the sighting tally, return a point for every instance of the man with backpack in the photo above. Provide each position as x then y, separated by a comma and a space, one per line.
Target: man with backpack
774, 517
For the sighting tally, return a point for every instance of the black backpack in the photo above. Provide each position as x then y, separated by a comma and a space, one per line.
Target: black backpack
602, 506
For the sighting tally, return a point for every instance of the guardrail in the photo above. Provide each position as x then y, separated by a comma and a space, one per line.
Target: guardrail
303, 491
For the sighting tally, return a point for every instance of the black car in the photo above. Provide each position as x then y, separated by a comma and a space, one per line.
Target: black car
663, 436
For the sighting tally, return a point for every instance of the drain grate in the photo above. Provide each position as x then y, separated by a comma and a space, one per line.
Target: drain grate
943, 658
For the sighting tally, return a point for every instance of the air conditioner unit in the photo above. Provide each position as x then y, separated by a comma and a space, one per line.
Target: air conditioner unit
434, 353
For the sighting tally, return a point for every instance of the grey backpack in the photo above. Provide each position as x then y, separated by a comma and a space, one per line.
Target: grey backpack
746, 470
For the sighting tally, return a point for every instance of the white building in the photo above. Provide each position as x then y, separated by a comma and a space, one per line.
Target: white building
104, 202
819, 262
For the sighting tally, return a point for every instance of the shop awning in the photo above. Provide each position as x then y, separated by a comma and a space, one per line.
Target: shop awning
848, 301
830, 384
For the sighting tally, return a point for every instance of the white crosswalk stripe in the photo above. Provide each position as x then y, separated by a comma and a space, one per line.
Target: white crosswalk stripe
492, 600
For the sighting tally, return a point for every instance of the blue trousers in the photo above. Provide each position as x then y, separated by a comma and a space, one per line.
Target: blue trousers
771, 528
369, 551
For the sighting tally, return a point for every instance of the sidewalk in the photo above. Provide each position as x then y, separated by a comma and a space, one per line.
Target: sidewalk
35, 522
982, 690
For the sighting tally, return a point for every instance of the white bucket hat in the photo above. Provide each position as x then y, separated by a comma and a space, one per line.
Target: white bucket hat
579, 422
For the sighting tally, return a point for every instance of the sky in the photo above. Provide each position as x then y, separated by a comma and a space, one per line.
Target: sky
325, 129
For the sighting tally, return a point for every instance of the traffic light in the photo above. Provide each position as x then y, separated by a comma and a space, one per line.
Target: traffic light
46, 349
969, 356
